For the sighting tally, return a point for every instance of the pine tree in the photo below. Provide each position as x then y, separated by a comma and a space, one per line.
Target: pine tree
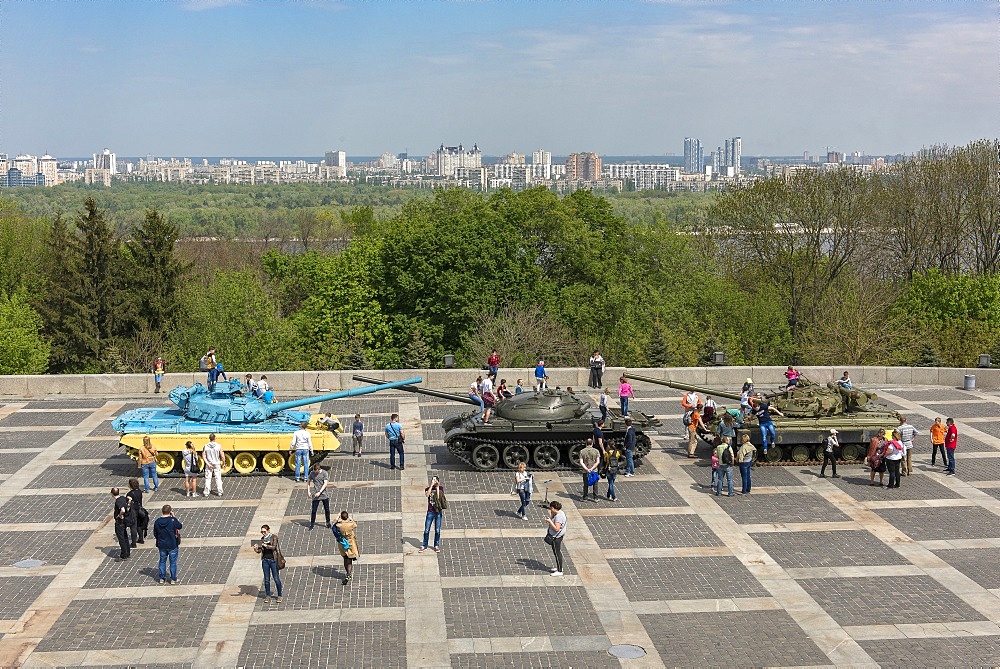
59, 304
417, 354
154, 273
100, 268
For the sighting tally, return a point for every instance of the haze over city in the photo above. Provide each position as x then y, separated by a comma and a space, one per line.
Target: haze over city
213, 77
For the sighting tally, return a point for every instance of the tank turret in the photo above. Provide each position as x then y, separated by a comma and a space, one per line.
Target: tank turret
251, 431
684, 386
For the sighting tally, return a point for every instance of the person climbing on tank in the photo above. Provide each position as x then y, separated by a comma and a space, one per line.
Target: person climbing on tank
845, 381
763, 410
709, 409
159, 367
792, 375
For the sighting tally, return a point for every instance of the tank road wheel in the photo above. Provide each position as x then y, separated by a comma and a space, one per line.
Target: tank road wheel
165, 463
774, 454
820, 450
574, 453
799, 453
227, 464
513, 454
546, 456
245, 462
850, 453
485, 457
291, 461
273, 462
643, 445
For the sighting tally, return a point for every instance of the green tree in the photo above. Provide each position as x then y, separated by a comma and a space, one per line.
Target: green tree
22, 250
59, 302
23, 349
155, 273
98, 279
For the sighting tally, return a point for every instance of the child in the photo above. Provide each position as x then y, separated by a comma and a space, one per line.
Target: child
604, 403
358, 433
715, 469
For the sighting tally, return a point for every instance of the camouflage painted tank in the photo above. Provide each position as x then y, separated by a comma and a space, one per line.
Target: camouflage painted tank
545, 429
811, 410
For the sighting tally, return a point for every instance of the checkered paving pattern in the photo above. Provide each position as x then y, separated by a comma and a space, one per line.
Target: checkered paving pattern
701, 471
19, 593
57, 508
487, 557
40, 439
707, 577
991, 428
195, 565
785, 508
361, 645
630, 493
345, 409
214, 521
354, 500
731, 638
473, 482
482, 515
968, 410
374, 536
49, 547
39, 418
944, 523
103, 430
11, 462
440, 455
236, 487
956, 651
92, 450
433, 432
442, 411
840, 548
888, 600
139, 622
311, 588
918, 486
931, 395
679, 531
975, 469
501, 612
348, 468
979, 564
88, 403
590, 659
113, 472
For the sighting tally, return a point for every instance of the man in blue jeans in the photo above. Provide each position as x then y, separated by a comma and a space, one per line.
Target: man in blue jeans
302, 446
394, 433
629, 448
435, 514
763, 410
165, 532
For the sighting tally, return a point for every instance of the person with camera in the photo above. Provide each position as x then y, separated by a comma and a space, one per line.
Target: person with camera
554, 534
346, 528
269, 550
436, 504
165, 531
394, 433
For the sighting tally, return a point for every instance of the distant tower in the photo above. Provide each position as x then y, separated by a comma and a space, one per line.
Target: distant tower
336, 159
105, 161
694, 157
734, 153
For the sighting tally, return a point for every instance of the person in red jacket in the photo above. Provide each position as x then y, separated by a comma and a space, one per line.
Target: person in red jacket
950, 443
493, 363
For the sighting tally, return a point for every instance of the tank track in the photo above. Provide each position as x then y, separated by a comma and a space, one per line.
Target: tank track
813, 462
462, 448
178, 473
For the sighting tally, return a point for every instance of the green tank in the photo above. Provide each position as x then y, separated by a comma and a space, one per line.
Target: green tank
810, 411
546, 429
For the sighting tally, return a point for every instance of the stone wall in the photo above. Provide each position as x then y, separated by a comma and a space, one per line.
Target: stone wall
459, 379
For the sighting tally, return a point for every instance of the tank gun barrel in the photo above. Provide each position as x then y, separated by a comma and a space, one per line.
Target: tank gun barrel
421, 391
683, 386
351, 392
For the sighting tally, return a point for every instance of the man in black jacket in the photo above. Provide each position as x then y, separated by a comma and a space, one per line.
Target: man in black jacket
123, 513
165, 532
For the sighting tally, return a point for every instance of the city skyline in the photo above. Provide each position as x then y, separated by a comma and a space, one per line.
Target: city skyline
217, 78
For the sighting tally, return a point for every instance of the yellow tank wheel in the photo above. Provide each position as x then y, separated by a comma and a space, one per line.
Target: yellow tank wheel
245, 462
165, 463
227, 464
273, 462
291, 461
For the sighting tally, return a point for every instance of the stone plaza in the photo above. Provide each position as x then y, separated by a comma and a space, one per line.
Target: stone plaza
802, 572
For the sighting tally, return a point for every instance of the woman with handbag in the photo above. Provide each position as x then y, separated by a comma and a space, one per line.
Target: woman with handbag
147, 464
555, 533
189, 463
347, 542
270, 555
522, 483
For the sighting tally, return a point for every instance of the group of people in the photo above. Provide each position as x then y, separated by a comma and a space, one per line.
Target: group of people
600, 459
891, 451
487, 392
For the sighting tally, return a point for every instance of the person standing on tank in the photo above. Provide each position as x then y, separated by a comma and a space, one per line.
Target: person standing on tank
210, 367
763, 410
541, 376
302, 447
625, 392
489, 396
829, 455
159, 367
394, 433
476, 394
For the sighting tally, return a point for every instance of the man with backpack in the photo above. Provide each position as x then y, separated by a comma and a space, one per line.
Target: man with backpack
613, 464
725, 455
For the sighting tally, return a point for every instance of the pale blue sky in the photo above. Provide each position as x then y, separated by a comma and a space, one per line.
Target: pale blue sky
215, 77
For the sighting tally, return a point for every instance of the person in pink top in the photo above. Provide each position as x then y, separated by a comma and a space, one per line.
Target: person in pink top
624, 393
792, 375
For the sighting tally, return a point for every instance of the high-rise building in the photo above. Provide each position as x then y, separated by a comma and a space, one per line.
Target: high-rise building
106, 161
541, 157
49, 166
450, 158
734, 153
336, 159
583, 167
27, 165
694, 157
